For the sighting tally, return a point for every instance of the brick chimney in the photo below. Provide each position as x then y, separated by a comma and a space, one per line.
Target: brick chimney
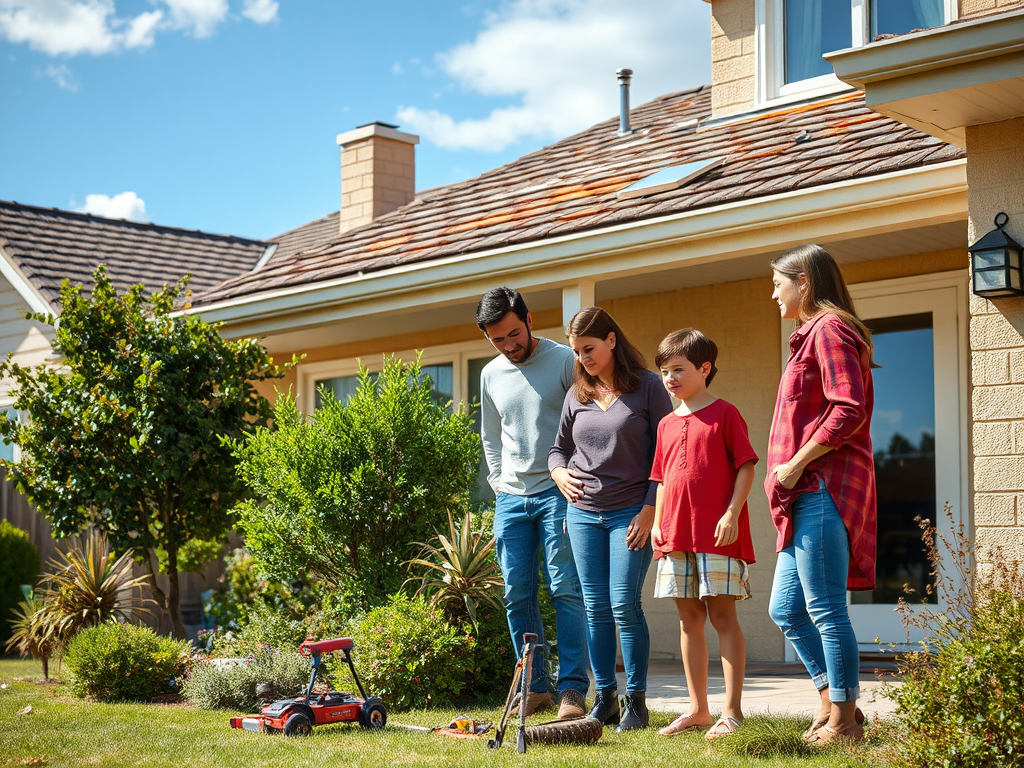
378, 172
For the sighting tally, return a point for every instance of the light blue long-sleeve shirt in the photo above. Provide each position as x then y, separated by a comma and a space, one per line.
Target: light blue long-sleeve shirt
520, 407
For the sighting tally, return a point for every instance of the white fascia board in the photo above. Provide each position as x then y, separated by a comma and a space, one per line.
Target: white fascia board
905, 197
10, 270
933, 50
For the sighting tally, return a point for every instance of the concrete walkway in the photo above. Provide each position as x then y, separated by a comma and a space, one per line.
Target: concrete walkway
776, 688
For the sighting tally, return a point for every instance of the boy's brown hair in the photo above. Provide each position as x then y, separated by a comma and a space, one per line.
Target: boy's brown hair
691, 344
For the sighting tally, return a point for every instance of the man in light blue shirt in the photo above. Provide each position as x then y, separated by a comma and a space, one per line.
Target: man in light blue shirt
521, 395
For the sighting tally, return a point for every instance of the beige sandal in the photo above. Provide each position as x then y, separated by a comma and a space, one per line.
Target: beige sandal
682, 723
828, 735
724, 727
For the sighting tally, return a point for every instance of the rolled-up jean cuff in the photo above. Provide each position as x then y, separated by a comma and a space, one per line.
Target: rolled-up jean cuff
820, 681
843, 694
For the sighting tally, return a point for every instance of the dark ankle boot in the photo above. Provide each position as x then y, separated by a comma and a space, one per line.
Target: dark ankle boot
606, 707
636, 714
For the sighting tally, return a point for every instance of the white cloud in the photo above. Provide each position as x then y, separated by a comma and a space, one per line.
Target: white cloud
558, 59
200, 17
63, 76
260, 11
126, 205
75, 27
397, 69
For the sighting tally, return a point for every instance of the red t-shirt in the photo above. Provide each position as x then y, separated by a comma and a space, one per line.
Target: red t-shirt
697, 460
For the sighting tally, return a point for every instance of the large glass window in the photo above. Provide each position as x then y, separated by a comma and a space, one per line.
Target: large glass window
897, 17
474, 368
903, 436
7, 449
813, 28
344, 387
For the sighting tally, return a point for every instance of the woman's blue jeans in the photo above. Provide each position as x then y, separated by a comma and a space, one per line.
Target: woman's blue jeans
809, 596
612, 577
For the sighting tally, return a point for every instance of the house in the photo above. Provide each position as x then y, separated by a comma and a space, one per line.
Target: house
41, 247
893, 191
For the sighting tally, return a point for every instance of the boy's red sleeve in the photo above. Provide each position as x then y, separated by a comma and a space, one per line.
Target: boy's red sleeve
737, 440
657, 468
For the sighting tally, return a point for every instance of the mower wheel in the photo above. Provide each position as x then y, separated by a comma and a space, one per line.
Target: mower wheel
298, 725
373, 714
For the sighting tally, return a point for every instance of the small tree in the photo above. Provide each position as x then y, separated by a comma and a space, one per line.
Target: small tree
345, 493
127, 433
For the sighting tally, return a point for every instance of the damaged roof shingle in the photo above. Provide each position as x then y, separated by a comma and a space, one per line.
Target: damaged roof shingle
571, 185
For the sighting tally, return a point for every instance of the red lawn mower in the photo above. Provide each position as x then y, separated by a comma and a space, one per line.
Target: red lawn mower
296, 717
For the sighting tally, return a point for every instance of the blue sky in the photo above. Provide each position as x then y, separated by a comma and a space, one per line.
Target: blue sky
221, 115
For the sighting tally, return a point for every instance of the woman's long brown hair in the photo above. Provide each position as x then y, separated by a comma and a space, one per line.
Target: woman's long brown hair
826, 289
629, 363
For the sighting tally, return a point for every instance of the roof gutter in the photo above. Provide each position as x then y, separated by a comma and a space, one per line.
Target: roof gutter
701, 236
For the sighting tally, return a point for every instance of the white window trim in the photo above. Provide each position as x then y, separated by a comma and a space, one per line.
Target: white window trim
770, 88
458, 354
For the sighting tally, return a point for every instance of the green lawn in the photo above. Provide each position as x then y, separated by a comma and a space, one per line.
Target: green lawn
64, 731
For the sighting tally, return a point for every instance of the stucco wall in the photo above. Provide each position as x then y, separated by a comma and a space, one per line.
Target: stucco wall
995, 178
744, 322
974, 8
732, 57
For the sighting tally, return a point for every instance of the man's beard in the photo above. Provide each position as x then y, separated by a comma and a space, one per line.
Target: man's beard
527, 350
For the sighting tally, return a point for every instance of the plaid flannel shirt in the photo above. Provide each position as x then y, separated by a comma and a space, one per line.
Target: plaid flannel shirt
826, 395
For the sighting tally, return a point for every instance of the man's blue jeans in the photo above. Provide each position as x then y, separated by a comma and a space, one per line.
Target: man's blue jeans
809, 596
522, 525
612, 576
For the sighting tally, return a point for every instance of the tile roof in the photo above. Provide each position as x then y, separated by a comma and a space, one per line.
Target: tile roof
309, 235
49, 244
571, 186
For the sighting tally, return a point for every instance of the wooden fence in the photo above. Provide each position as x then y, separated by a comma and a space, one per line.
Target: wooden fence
16, 509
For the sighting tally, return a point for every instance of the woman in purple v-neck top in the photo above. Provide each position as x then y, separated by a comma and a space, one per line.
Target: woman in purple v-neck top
601, 462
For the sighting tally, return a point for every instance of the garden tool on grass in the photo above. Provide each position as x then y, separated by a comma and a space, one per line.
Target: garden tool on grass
462, 727
520, 685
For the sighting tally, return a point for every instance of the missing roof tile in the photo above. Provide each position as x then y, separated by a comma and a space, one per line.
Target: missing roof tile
669, 178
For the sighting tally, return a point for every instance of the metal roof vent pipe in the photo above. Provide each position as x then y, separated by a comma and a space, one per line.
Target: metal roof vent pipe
624, 75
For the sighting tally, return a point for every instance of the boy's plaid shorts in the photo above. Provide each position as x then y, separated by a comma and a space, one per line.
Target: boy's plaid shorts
699, 575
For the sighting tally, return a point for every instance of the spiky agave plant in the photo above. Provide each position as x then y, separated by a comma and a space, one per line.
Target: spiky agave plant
34, 634
458, 573
88, 586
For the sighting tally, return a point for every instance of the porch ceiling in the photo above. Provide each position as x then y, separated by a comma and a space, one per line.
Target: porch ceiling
942, 80
937, 237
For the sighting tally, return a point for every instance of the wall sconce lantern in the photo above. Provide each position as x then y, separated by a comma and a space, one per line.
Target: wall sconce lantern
996, 263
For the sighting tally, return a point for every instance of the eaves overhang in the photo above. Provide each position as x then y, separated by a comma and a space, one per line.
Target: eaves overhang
942, 80
899, 199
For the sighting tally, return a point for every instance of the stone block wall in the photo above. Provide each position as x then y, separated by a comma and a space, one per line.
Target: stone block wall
732, 57
995, 178
970, 9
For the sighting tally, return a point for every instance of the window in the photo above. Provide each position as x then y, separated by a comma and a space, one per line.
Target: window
7, 450
344, 387
793, 35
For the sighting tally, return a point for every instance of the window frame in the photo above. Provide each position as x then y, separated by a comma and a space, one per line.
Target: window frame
770, 88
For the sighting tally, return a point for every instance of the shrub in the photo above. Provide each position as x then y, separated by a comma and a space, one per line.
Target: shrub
345, 492
19, 564
410, 656
962, 700
492, 657
215, 685
123, 662
460, 573
33, 635
89, 586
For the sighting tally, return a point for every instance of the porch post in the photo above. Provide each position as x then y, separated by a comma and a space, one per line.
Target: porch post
575, 297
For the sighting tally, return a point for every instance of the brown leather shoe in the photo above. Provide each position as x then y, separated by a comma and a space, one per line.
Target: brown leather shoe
534, 702
572, 706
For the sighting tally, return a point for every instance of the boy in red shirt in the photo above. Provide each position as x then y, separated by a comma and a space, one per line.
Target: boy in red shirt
704, 464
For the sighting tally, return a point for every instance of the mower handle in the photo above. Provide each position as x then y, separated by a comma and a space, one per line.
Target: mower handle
310, 648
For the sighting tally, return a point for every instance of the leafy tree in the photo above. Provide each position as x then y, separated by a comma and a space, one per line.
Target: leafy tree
19, 564
346, 492
127, 432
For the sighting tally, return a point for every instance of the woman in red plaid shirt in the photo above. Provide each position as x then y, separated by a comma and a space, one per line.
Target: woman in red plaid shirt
821, 482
